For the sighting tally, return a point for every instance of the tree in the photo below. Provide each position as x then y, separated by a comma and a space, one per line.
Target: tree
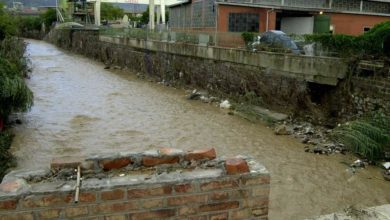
49, 17
110, 12
145, 16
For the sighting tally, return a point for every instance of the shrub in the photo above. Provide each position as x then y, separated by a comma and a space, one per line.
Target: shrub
6, 159
247, 37
368, 137
368, 44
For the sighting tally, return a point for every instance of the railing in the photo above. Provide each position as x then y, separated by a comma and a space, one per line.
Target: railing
220, 39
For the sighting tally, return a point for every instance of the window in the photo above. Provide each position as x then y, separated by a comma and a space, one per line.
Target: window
243, 22
365, 29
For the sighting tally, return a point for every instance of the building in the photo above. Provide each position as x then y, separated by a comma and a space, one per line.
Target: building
351, 17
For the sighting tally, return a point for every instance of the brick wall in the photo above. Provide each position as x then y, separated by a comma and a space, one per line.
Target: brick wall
168, 184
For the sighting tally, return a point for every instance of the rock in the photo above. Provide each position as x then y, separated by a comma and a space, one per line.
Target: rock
309, 130
307, 149
107, 67
305, 140
318, 150
225, 104
282, 130
358, 164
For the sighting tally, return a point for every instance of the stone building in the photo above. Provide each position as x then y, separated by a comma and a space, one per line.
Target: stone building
352, 17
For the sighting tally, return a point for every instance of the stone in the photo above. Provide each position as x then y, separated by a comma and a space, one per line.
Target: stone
282, 130
236, 166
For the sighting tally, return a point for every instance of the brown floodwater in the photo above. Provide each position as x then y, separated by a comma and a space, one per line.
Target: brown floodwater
82, 109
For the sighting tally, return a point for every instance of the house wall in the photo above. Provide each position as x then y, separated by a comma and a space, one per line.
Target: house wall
353, 24
224, 10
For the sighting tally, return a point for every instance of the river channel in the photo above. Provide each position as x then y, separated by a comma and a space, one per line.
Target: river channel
82, 109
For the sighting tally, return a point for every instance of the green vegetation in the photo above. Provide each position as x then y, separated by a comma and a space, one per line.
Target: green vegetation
368, 137
367, 44
110, 12
248, 37
6, 159
145, 16
14, 94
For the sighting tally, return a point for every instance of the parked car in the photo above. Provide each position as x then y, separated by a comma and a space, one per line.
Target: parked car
276, 39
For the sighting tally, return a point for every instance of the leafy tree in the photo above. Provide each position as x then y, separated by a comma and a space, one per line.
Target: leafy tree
145, 16
110, 12
49, 17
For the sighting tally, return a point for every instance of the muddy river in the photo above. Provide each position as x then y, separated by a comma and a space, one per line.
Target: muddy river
82, 109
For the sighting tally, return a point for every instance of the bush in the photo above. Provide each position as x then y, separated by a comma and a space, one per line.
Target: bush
368, 137
6, 159
248, 37
368, 44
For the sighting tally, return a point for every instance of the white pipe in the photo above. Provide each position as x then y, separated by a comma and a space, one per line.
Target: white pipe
162, 5
151, 14
97, 12
76, 197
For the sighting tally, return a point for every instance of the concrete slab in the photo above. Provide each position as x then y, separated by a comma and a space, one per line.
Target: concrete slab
373, 213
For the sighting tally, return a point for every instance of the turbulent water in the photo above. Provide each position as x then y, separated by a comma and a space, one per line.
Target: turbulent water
82, 109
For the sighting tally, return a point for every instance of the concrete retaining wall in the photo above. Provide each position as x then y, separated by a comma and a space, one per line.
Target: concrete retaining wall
322, 70
283, 82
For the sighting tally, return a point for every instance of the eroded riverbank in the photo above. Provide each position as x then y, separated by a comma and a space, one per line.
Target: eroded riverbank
82, 109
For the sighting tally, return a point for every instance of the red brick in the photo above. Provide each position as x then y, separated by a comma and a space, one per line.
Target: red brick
141, 193
219, 196
116, 217
260, 211
112, 194
76, 211
66, 162
152, 203
220, 216
49, 214
239, 194
208, 153
199, 217
241, 214
184, 188
114, 207
84, 197
43, 201
246, 180
236, 166
219, 185
11, 186
153, 161
18, 216
260, 191
186, 210
114, 164
185, 200
219, 206
255, 202
158, 214
8, 204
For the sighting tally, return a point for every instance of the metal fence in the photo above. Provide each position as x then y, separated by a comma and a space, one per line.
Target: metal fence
220, 39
